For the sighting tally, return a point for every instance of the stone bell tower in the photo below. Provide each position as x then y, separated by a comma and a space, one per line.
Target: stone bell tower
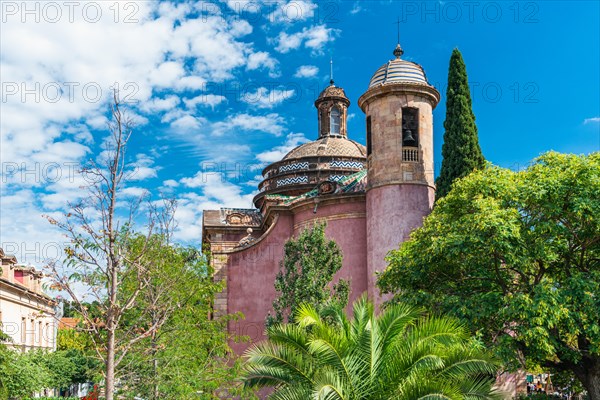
399, 107
332, 106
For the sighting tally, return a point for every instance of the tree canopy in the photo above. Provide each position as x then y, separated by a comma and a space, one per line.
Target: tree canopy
517, 256
187, 354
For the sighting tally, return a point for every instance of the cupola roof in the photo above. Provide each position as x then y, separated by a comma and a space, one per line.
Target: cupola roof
398, 71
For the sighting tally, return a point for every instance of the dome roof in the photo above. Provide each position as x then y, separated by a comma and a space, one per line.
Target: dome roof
328, 146
332, 91
398, 71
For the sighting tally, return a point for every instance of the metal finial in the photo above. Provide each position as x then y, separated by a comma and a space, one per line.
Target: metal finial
331, 70
398, 51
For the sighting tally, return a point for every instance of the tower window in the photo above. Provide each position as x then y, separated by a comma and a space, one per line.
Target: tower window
334, 121
368, 135
410, 127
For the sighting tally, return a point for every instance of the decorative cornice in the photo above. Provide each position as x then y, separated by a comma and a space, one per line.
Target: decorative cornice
427, 91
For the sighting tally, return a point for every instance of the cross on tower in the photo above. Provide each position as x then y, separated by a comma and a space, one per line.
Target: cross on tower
398, 50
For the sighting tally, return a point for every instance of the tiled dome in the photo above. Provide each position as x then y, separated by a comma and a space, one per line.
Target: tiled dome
328, 146
398, 71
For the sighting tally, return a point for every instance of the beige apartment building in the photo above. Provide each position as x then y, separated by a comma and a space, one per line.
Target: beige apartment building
27, 315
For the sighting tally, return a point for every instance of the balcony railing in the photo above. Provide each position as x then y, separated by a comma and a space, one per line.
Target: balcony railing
410, 154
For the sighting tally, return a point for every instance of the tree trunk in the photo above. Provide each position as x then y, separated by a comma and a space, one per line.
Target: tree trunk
589, 375
155, 367
592, 384
110, 366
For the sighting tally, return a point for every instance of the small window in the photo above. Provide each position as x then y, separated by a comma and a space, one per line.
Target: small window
334, 121
368, 135
40, 333
410, 127
23, 331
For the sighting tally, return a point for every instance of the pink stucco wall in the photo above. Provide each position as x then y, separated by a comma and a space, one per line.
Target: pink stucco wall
252, 271
393, 211
346, 224
250, 277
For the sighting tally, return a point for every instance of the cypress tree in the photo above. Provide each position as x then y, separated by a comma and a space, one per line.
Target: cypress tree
461, 152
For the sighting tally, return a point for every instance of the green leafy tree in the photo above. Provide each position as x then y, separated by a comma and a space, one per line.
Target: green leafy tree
4, 363
186, 357
517, 256
400, 354
461, 152
74, 339
23, 374
304, 276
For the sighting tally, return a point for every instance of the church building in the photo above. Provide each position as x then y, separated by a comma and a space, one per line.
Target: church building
370, 197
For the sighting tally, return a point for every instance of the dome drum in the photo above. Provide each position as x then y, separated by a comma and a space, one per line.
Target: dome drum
297, 176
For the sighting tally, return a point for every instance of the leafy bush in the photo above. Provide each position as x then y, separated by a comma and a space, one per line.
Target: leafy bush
51, 398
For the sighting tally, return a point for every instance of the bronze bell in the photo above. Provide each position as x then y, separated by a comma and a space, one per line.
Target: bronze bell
408, 137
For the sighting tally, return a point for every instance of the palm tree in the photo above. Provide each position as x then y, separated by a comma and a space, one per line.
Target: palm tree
400, 354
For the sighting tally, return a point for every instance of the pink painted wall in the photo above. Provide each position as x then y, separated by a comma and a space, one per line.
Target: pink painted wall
252, 271
250, 278
393, 211
346, 224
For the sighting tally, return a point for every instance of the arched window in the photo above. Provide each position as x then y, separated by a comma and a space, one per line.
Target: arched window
410, 127
334, 121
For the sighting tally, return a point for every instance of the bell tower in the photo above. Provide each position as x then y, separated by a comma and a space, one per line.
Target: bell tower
399, 107
332, 107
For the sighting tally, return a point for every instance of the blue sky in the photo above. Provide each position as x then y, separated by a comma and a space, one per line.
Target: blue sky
220, 89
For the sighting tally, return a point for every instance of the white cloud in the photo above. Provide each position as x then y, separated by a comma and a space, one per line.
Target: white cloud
240, 27
276, 12
171, 183
134, 191
271, 123
263, 59
292, 141
161, 104
306, 71
591, 120
214, 191
216, 188
293, 11
314, 38
187, 122
210, 100
143, 168
356, 8
265, 98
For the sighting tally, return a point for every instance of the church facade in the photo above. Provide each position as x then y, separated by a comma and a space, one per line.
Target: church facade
370, 197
